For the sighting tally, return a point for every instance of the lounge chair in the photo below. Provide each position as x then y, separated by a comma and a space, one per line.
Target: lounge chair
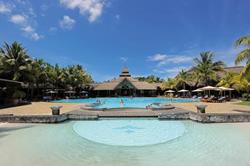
194, 97
210, 99
222, 99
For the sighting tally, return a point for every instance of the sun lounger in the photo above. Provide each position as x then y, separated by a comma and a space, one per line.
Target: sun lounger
222, 99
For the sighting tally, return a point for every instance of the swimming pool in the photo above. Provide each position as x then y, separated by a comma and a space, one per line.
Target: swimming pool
60, 145
129, 102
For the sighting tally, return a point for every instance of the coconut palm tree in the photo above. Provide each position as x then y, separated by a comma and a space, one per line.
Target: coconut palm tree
244, 55
182, 78
228, 80
206, 68
241, 84
15, 63
169, 83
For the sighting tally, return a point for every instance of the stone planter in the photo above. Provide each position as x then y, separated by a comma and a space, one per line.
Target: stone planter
201, 108
56, 110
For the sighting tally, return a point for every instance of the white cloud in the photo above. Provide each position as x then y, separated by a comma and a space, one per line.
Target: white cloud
163, 59
92, 8
67, 22
170, 72
21, 13
157, 57
30, 32
124, 59
28, 29
4, 8
35, 36
18, 19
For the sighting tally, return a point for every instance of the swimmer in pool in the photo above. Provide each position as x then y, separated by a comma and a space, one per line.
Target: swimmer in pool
122, 103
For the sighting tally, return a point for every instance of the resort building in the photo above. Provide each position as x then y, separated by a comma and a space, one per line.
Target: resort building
125, 85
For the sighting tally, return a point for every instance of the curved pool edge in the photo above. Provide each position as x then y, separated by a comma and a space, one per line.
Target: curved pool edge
129, 132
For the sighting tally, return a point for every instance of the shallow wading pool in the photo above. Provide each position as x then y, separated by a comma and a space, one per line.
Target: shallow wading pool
126, 142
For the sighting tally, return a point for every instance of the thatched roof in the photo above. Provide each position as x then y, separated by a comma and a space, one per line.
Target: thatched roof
125, 76
4, 82
233, 69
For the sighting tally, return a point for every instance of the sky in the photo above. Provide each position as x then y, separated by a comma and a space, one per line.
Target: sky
158, 37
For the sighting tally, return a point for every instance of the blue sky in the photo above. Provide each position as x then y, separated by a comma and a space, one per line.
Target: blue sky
157, 37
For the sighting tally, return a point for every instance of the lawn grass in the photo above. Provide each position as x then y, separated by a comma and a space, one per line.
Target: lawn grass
245, 103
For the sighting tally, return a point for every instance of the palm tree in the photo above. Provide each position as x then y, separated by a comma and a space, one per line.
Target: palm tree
182, 78
15, 63
244, 55
241, 84
206, 68
169, 83
228, 80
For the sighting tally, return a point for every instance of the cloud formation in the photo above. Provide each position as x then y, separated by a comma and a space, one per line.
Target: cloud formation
163, 59
4, 8
22, 14
18, 19
90, 8
124, 59
67, 23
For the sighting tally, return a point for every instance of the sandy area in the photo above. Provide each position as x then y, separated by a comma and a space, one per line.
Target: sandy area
43, 108
38, 108
215, 107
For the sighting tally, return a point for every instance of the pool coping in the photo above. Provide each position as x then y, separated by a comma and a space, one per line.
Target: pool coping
175, 114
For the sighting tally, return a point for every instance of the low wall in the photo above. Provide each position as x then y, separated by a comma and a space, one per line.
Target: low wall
174, 116
198, 117
82, 117
219, 118
33, 118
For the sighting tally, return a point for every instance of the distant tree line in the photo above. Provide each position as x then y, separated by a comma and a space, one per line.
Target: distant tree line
16, 64
205, 69
150, 79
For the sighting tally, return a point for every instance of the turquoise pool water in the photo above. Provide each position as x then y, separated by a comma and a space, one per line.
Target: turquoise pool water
129, 102
60, 145
129, 132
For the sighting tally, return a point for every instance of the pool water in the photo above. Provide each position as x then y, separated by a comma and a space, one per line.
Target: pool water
129, 132
129, 102
60, 145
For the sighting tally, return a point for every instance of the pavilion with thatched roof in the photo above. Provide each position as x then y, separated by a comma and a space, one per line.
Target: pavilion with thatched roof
125, 85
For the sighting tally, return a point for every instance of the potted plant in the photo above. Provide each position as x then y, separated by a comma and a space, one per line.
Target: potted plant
201, 108
56, 110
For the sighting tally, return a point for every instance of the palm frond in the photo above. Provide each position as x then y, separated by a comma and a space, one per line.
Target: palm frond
245, 40
243, 55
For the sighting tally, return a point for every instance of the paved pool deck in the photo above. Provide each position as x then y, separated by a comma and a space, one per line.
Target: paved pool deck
40, 112
43, 108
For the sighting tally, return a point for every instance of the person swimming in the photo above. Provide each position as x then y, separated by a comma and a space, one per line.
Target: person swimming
122, 103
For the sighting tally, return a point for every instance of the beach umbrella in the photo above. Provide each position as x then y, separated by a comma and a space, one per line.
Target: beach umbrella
226, 89
170, 91
183, 91
197, 90
209, 88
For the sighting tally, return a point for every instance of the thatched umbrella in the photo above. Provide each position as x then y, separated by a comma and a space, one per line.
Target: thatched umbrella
170, 91
209, 88
197, 90
221, 88
183, 91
